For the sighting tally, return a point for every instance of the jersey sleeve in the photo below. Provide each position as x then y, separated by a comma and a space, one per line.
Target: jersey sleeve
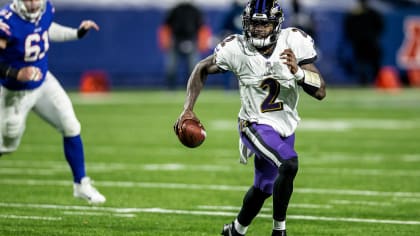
60, 33
302, 45
225, 53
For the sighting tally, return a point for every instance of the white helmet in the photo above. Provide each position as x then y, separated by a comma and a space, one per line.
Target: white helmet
30, 9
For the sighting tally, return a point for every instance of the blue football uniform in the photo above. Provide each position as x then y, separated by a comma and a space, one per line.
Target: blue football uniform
27, 45
24, 39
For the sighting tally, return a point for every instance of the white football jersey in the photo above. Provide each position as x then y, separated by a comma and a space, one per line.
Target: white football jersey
268, 90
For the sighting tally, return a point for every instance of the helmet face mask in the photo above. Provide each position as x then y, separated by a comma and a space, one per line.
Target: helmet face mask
262, 20
30, 9
261, 29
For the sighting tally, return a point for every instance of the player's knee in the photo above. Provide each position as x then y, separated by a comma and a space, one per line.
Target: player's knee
13, 127
11, 133
266, 187
260, 194
71, 128
289, 167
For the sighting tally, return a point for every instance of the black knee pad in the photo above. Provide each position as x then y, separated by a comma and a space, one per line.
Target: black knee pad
289, 167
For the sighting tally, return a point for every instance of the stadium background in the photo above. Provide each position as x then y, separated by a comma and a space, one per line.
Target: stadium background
126, 47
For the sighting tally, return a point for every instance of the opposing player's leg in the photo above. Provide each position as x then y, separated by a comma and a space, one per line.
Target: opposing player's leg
55, 107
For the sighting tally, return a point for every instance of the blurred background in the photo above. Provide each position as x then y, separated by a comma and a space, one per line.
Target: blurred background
128, 50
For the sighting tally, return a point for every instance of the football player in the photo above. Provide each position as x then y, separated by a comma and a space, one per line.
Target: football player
271, 65
26, 28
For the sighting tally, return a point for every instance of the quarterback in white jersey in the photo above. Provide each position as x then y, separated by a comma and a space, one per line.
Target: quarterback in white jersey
269, 91
271, 65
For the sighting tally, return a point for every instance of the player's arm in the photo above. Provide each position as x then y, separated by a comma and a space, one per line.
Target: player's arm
61, 33
28, 73
312, 82
195, 84
307, 75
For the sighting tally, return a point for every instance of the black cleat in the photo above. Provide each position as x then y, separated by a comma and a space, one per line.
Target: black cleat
279, 233
229, 230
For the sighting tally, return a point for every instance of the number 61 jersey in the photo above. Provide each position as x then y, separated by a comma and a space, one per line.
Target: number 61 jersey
268, 90
27, 45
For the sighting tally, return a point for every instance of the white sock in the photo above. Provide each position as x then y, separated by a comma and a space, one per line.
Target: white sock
240, 228
279, 225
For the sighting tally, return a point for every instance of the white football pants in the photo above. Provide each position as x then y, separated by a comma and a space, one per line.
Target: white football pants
49, 101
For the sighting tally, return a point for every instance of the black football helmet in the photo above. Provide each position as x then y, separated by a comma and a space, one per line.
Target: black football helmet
262, 12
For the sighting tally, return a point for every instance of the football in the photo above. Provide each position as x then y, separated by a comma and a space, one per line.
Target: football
191, 133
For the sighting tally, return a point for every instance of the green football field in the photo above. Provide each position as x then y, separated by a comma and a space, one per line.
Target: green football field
359, 168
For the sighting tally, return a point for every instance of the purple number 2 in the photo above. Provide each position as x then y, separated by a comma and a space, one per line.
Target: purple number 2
269, 103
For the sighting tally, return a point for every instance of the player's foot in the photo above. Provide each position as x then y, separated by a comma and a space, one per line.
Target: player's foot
86, 191
229, 230
279, 233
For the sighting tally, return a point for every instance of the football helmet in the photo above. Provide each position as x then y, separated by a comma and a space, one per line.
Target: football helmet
262, 12
30, 9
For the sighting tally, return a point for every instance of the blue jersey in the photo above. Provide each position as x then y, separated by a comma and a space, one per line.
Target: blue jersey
27, 45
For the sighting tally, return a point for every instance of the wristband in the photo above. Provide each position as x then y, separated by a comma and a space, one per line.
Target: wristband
312, 79
81, 33
12, 73
7, 71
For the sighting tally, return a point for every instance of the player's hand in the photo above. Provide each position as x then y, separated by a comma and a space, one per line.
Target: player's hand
185, 115
29, 73
289, 59
87, 25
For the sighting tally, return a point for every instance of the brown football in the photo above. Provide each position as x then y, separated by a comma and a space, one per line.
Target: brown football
191, 133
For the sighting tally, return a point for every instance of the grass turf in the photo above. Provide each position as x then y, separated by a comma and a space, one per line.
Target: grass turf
359, 168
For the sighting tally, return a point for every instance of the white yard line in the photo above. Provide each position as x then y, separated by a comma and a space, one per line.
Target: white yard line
292, 205
356, 220
85, 210
409, 200
82, 213
365, 172
28, 171
18, 217
16, 167
357, 192
364, 203
129, 184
